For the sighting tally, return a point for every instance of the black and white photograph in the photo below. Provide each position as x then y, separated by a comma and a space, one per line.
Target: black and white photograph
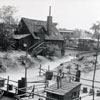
49, 49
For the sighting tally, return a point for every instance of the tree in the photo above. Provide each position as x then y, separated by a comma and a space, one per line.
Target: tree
7, 26
7, 14
50, 50
96, 29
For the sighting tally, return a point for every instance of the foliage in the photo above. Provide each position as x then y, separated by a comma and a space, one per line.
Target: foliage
6, 42
7, 26
96, 28
7, 14
50, 50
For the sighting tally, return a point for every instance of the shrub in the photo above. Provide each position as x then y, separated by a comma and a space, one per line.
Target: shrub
50, 50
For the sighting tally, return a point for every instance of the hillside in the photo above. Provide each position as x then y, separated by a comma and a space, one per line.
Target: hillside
15, 60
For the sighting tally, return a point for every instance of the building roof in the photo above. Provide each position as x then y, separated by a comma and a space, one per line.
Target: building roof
66, 88
65, 31
37, 25
86, 38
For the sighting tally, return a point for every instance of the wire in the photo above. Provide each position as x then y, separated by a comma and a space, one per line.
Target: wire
78, 77
97, 99
20, 89
39, 95
9, 80
56, 75
89, 95
42, 81
90, 85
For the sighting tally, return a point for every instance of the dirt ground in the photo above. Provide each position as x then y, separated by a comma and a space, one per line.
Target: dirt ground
33, 72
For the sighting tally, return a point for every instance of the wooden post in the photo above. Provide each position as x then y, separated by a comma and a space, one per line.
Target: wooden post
7, 84
40, 70
25, 45
69, 73
95, 67
46, 81
48, 67
32, 92
16, 90
57, 82
26, 70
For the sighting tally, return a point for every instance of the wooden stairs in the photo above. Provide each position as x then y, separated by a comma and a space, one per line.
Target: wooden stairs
37, 48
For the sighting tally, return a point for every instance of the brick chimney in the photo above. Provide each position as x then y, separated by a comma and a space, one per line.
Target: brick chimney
49, 22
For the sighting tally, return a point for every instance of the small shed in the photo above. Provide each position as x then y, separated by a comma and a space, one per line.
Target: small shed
2, 82
68, 91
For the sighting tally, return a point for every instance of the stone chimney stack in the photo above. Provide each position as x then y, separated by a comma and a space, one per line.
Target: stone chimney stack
49, 22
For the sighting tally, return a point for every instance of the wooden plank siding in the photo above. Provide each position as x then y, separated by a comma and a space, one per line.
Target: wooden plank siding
65, 92
66, 87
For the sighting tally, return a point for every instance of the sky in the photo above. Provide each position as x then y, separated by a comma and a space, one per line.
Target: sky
69, 14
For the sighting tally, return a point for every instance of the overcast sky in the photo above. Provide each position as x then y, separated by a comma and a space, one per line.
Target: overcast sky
68, 14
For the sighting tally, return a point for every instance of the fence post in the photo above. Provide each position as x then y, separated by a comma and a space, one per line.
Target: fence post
40, 70
48, 67
7, 84
33, 91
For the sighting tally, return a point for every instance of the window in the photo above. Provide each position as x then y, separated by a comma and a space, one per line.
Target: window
75, 94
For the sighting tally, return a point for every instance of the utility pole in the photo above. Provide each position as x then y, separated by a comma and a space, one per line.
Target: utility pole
26, 70
25, 45
95, 66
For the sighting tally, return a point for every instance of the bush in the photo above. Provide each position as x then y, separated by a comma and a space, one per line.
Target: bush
6, 41
50, 50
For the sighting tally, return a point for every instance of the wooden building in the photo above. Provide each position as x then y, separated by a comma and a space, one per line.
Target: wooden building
68, 91
86, 44
66, 33
36, 31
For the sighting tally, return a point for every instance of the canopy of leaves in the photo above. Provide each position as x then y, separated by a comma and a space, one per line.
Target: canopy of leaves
8, 23
96, 29
7, 14
50, 50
